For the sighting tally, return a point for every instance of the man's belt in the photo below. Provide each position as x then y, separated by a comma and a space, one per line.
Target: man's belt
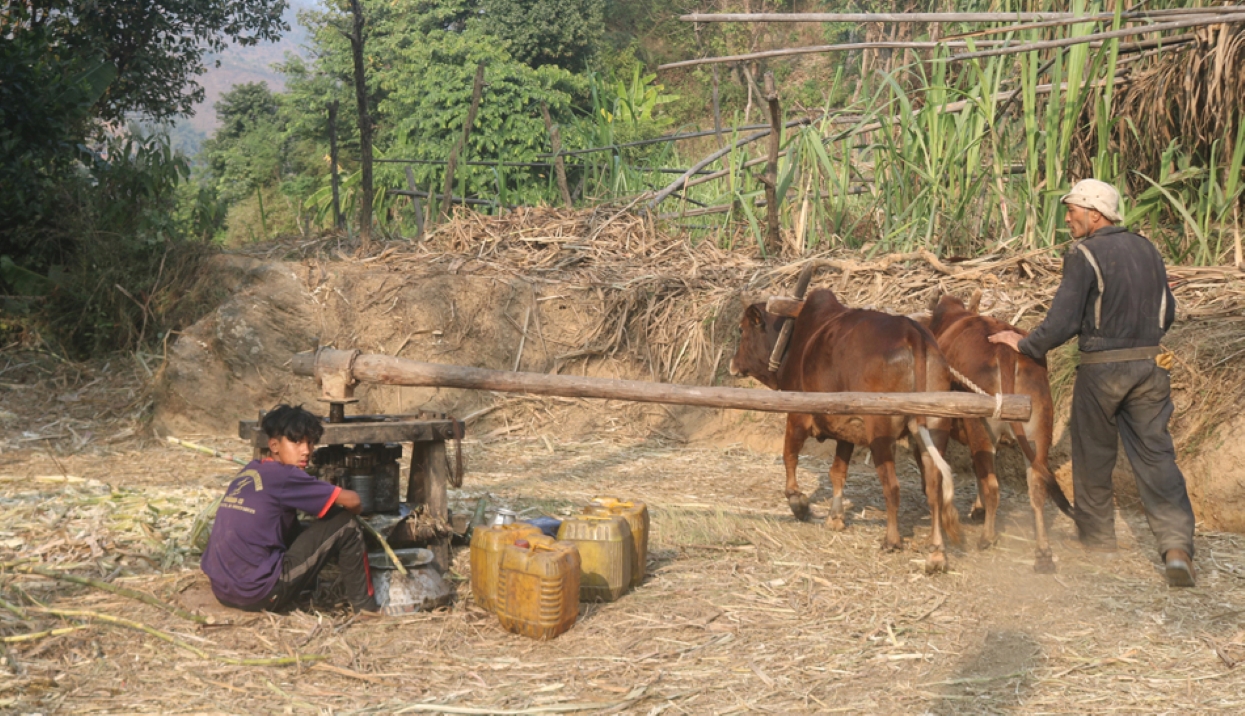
1121, 355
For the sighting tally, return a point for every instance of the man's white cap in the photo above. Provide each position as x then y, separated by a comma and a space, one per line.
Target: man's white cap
1097, 195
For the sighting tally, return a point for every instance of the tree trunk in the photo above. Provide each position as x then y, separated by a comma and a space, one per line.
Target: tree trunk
333, 178
365, 127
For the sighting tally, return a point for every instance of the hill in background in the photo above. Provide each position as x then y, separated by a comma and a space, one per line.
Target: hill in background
239, 65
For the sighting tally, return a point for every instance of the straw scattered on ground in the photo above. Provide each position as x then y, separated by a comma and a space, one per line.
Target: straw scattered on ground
743, 609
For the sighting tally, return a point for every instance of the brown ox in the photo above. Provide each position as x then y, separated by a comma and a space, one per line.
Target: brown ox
833, 349
962, 335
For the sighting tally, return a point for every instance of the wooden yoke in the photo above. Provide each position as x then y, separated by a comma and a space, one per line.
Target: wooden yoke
784, 335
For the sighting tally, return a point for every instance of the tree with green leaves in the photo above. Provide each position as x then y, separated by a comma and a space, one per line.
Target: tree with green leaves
45, 115
157, 46
566, 33
247, 150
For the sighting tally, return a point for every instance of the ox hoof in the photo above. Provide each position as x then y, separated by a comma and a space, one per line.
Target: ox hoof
888, 546
978, 514
1044, 563
837, 524
987, 541
799, 506
935, 563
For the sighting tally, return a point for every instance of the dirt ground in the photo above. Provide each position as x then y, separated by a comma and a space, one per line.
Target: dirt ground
743, 609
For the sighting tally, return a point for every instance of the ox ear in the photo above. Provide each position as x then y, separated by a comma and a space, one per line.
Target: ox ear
753, 315
975, 301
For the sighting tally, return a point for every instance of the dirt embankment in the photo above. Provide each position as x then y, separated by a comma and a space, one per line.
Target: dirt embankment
631, 306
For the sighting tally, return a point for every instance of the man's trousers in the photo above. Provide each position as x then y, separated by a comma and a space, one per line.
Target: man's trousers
336, 535
1130, 399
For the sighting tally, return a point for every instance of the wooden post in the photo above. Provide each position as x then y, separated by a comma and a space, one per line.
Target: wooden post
401, 371
365, 127
419, 212
555, 137
333, 178
428, 486
461, 146
717, 109
773, 240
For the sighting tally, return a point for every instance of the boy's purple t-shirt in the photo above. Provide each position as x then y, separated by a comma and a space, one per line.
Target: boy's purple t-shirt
254, 527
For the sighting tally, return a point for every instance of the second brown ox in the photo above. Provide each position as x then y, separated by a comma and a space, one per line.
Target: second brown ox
962, 336
833, 349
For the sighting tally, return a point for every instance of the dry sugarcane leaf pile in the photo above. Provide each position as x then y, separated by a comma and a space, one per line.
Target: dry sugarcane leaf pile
1193, 95
673, 304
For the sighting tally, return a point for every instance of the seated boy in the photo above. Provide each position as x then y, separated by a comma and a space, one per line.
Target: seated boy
258, 556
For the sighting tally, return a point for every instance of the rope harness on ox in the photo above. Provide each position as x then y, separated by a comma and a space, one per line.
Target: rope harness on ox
963, 380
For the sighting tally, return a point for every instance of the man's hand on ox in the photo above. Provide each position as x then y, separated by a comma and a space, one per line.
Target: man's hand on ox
1008, 338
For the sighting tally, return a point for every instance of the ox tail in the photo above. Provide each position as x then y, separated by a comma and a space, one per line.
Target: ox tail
950, 517
1008, 360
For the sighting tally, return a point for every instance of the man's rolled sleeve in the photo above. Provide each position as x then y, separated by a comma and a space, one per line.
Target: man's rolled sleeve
1063, 321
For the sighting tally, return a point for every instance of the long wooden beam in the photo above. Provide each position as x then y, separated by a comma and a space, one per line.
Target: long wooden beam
816, 49
885, 45
1127, 32
856, 17
400, 371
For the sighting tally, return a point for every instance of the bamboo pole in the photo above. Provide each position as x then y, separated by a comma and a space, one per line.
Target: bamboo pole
477, 87
1125, 17
685, 176
1126, 32
813, 49
657, 140
759, 203
849, 46
683, 179
859, 17
400, 371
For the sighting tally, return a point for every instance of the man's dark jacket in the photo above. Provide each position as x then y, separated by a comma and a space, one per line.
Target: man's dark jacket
1136, 309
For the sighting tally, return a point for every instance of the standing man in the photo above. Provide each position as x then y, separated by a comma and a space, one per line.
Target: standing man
1114, 295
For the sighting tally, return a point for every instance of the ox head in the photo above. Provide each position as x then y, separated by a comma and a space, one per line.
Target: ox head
945, 310
758, 333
